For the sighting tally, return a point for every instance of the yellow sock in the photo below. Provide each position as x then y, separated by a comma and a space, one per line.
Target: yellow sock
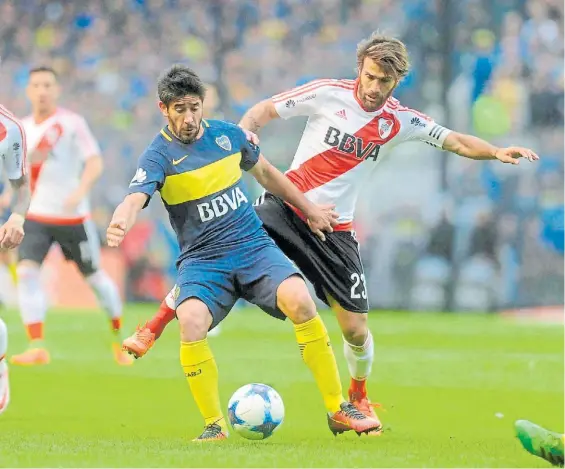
201, 373
13, 272
316, 350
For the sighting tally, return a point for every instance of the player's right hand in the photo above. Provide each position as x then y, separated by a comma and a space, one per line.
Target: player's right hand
512, 154
116, 232
250, 136
322, 218
12, 232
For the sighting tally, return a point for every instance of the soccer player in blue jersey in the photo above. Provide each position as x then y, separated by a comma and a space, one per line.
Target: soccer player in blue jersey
196, 165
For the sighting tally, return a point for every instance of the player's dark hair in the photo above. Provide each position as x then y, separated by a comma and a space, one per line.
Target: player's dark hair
44, 68
177, 82
389, 52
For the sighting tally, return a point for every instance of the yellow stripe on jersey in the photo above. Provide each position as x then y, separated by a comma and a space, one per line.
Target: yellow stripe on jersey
198, 183
164, 134
205, 123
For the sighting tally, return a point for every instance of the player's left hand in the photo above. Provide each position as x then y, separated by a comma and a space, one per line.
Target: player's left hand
322, 218
512, 154
72, 201
250, 136
12, 232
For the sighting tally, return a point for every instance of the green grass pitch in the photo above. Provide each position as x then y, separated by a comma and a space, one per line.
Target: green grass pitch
442, 379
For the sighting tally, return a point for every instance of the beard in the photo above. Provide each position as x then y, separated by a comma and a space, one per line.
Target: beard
187, 135
377, 100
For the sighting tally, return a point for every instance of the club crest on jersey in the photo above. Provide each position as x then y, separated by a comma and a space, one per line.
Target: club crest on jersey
224, 142
385, 127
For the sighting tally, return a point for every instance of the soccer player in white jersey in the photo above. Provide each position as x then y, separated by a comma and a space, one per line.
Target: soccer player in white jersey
13, 164
352, 127
65, 163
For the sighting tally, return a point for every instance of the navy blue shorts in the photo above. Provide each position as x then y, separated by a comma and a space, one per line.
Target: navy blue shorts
252, 270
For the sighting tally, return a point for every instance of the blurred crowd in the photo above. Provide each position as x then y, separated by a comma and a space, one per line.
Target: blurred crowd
480, 236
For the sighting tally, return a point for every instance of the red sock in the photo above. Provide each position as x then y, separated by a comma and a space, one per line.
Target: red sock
35, 330
163, 317
116, 324
358, 387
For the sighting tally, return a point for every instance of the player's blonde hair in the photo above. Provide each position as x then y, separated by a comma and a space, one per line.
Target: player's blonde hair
389, 52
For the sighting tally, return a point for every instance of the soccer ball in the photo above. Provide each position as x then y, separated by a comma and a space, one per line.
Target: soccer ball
255, 411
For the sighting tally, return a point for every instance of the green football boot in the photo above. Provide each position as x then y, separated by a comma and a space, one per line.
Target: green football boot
540, 442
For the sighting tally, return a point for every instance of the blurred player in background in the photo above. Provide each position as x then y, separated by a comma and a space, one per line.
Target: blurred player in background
8, 258
353, 125
196, 165
541, 442
13, 166
65, 163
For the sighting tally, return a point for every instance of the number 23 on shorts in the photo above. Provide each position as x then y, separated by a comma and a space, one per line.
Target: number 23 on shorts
358, 289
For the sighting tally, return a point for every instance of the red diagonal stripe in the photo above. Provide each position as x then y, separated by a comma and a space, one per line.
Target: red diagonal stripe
332, 163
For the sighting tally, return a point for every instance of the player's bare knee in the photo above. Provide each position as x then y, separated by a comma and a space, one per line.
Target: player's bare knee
294, 300
353, 327
194, 320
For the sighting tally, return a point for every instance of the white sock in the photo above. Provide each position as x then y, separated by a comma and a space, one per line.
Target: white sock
359, 358
3, 341
107, 293
170, 298
7, 287
31, 297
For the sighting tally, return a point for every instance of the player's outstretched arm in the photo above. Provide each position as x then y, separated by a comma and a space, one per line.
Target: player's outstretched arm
478, 149
320, 218
259, 115
124, 218
12, 232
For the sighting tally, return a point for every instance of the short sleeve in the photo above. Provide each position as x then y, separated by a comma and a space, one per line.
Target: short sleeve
16, 151
424, 129
86, 142
249, 153
305, 100
149, 176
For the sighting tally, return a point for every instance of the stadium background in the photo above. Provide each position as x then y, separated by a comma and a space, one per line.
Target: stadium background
438, 232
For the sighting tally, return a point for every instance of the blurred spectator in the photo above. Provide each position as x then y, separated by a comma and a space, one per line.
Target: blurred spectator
442, 238
483, 239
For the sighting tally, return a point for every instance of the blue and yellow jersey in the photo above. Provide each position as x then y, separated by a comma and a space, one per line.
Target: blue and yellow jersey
201, 186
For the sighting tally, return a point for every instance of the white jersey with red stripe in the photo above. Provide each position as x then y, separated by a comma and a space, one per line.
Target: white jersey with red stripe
12, 146
59, 146
342, 143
